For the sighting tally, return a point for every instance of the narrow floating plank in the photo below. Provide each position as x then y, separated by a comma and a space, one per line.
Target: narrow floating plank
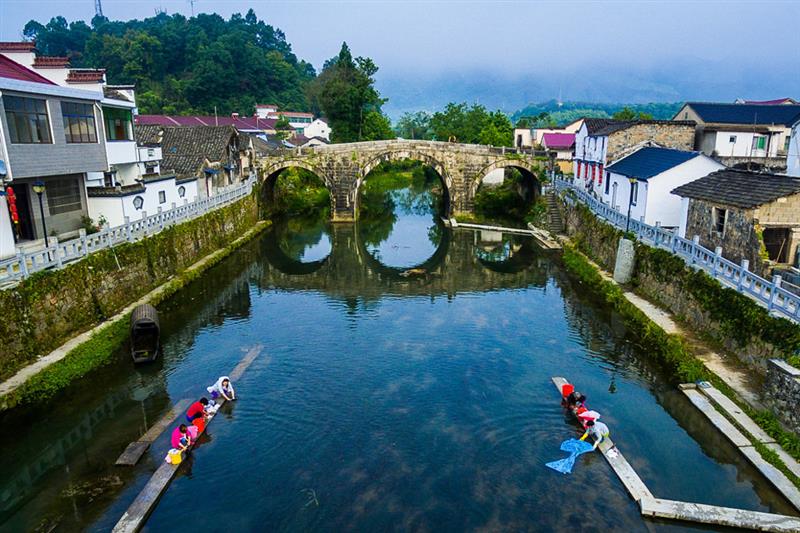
735, 412
136, 449
775, 476
136, 515
719, 421
625, 472
721, 516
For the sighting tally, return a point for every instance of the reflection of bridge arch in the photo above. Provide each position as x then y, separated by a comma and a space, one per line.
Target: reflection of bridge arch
401, 155
526, 172
429, 265
270, 247
273, 170
520, 260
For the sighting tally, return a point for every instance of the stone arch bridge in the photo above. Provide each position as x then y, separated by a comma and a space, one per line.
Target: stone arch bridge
343, 167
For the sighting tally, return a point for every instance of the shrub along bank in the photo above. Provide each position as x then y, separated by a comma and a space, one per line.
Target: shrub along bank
50, 307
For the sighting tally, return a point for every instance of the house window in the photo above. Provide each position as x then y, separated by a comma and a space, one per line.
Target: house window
759, 142
118, 124
182, 191
63, 195
720, 216
608, 181
78, 122
635, 193
685, 115
108, 179
138, 202
27, 120
151, 152
732, 139
786, 144
162, 197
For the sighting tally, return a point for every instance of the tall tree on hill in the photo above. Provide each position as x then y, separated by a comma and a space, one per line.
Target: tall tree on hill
471, 124
345, 93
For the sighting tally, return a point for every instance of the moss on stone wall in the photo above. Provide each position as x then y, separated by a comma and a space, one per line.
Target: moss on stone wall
731, 319
48, 308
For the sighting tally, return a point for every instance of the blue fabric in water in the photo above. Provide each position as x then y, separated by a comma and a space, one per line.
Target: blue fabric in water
575, 448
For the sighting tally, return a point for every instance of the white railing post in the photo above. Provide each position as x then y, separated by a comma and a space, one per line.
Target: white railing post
160, 216
82, 237
128, 236
717, 254
773, 293
743, 274
56, 255
23, 263
695, 245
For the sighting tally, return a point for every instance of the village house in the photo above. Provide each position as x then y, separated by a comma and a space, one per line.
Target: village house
303, 123
214, 156
793, 151
601, 141
751, 216
644, 180
51, 140
563, 144
533, 137
751, 135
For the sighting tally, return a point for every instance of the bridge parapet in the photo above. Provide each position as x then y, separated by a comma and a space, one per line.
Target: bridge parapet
343, 167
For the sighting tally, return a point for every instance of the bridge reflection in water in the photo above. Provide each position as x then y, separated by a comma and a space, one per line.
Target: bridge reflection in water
463, 261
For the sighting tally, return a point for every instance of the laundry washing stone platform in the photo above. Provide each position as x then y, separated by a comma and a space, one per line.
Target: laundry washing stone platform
651, 506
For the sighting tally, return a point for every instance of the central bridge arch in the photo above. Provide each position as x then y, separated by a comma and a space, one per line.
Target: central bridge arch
272, 171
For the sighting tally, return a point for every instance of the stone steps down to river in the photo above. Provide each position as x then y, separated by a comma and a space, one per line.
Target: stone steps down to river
554, 221
651, 506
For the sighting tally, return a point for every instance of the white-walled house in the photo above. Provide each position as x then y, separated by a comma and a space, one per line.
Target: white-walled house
318, 128
793, 151
530, 137
652, 173
743, 135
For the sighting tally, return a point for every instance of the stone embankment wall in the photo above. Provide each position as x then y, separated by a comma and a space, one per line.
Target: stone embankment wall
730, 319
51, 306
782, 392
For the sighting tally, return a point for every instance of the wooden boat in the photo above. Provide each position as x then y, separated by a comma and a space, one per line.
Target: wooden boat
145, 334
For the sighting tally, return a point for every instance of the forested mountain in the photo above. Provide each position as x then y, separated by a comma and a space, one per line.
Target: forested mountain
185, 65
551, 113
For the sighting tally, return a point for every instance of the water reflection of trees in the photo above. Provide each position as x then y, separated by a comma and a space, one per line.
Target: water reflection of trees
296, 235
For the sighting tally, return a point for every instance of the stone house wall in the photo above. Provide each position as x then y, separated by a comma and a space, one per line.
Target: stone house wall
740, 240
782, 392
679, 136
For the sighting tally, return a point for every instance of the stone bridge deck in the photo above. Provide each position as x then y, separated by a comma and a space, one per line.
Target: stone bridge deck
343, 167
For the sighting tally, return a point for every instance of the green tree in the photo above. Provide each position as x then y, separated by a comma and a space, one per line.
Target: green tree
626, 113
414, 126
345, 93
283, 130
471, 124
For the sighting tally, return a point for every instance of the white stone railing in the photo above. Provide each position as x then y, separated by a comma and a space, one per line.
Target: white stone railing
58, 254
775, 298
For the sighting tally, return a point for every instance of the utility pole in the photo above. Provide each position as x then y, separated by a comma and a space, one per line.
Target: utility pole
191, 3
98, 8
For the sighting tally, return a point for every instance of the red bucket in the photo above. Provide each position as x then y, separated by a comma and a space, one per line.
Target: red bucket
567, 389
199, 423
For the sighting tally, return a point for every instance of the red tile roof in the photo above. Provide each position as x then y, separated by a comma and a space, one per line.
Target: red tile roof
241, 123
558, 141
295, 114
21, 46
15, 71
50, 62
86, 76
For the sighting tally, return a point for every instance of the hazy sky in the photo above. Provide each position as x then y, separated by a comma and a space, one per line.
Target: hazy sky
726, 41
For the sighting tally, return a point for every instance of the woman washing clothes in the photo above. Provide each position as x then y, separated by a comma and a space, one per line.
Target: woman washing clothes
222, 389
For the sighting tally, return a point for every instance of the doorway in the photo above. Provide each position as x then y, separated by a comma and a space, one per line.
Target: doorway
27, 231
776, 241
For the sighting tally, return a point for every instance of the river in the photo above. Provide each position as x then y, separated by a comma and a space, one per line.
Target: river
403, 384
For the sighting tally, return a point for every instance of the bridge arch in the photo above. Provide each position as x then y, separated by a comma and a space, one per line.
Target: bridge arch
527, 171
271, 171
413, 155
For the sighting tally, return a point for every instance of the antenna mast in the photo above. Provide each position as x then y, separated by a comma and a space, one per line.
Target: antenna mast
98, 8
191, 3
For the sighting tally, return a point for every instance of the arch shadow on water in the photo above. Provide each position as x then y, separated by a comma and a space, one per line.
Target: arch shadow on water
510, 255
284, 262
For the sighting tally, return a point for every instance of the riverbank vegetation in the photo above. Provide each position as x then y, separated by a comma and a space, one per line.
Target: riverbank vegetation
514, 202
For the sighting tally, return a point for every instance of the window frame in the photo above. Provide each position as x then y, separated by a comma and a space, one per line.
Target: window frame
715, 220
732, 139
17, 117
635, 195
56, 204
112, 116
162, 197
87, 135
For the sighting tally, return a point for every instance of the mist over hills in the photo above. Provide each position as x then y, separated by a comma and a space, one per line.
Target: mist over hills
679, 82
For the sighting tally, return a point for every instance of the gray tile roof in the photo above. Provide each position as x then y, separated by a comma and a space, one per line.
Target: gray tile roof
740, 188
185, 149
